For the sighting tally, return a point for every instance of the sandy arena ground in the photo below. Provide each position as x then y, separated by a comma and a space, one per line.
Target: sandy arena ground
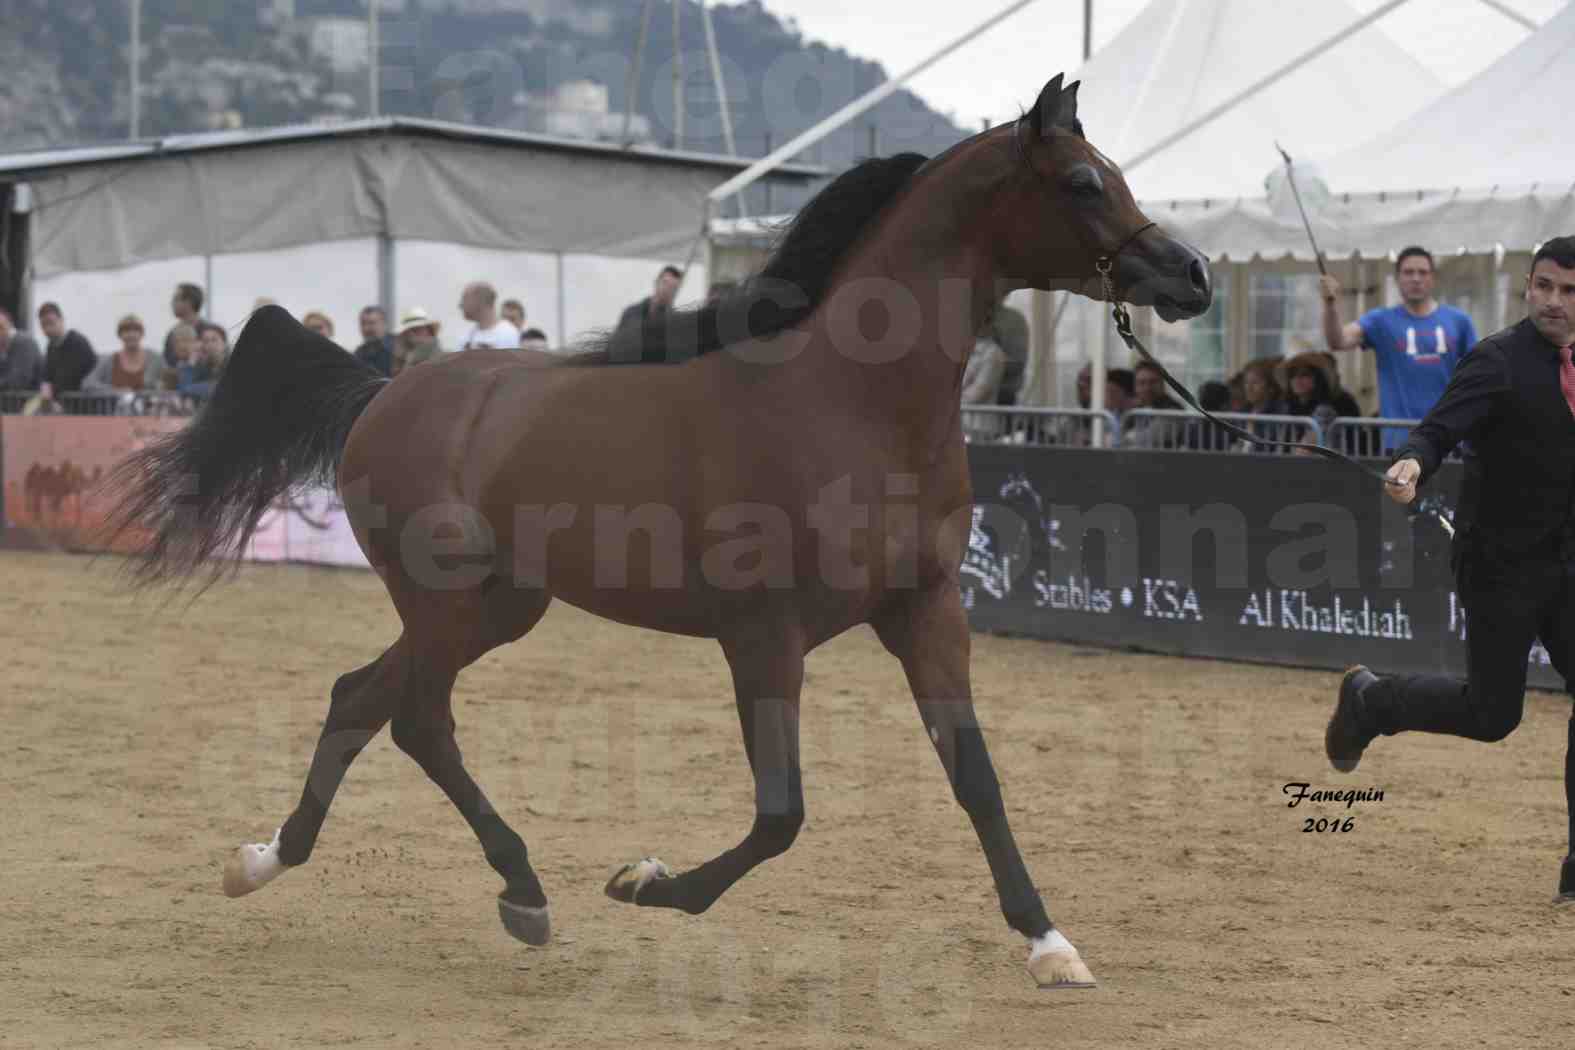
144, 742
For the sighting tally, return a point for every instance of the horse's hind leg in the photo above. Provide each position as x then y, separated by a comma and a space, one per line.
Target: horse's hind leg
768, 671
362, 703
424, 729
928, 632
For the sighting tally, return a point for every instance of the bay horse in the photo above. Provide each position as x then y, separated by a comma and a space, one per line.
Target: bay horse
794, 478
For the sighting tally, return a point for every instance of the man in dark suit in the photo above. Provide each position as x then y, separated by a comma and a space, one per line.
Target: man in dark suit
69, 357
660, 300
1513, 399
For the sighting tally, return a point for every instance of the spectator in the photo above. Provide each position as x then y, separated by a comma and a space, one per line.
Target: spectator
131, 367
1353, 438
316, 321
201, 372
21, 362
68, 358
1068, 430
1148, 431
1205, 435
534, 339
183, 344
1306, 381
186, 305
1009, 330
418, 340
1120, 392
1260, 389
1263, 395
377, 348
1419, 343
658, 302
982, 374
981, 383
478, 304
1237, 385
513, 312
1342, 401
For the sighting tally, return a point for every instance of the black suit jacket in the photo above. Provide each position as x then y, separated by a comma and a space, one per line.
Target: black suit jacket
68, 362
1505, 400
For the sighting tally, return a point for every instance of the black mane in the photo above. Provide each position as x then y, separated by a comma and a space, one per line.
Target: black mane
788, 287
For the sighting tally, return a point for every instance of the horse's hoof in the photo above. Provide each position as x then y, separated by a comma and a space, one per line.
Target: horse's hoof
531, 925
252, 867
1055, 964
629, 880
1057, 970
1564, 900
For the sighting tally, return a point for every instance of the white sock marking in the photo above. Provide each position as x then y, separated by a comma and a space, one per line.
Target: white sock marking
1050, 942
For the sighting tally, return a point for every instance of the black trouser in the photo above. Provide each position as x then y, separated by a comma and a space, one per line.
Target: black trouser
1511, 600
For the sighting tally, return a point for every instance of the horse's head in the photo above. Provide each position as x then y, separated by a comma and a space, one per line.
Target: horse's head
1071, 215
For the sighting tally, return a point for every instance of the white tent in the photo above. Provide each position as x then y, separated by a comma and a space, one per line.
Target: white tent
1499, 129
1180, 59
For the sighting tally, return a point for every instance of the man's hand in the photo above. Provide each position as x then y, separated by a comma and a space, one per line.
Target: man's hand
1328, 287
1404, 474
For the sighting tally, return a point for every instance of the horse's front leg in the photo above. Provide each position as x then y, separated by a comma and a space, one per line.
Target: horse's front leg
768, 671
928, 632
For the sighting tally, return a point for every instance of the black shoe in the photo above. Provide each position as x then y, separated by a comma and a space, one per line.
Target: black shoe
1566, 882
1348, 736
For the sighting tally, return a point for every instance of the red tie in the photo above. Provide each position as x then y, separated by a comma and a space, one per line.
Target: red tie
1567, 377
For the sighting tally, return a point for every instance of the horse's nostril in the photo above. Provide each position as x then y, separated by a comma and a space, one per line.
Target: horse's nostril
1199, 273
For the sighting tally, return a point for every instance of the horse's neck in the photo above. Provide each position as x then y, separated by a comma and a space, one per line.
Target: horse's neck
936, 270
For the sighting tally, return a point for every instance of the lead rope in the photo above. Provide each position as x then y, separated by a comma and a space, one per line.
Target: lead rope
1123, 321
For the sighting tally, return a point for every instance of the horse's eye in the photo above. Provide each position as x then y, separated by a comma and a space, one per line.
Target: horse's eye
1085, 182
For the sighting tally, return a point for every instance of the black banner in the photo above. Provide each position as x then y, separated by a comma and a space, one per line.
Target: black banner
1273, 559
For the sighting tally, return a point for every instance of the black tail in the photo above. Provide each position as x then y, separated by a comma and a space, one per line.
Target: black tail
278, 418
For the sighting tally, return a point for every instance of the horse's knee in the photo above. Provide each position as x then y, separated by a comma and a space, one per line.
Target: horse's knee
974, 783
775, 832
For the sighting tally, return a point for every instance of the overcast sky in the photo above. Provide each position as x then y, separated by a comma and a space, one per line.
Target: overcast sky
1001, 71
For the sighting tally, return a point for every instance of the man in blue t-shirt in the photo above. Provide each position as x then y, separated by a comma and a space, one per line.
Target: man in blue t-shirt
1419, 343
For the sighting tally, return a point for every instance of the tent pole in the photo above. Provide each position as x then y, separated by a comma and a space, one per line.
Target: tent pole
721, 95
632, 83
372, 70
563, 324
678, 80
1096, 377
136, 69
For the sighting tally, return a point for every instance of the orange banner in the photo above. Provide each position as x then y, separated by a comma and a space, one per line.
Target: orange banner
53, 465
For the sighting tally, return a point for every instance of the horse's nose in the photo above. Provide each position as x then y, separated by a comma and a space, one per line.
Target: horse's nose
1198, 275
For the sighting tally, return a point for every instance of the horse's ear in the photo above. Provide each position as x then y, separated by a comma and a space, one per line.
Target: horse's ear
1067, 117
1047, 107
1057, 110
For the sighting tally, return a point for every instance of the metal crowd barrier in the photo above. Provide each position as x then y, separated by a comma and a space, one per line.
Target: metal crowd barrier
1177, 430
1007, 425
1377, 436
128, 403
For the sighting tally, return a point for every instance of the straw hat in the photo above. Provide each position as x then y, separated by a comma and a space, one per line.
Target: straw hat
417, 317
